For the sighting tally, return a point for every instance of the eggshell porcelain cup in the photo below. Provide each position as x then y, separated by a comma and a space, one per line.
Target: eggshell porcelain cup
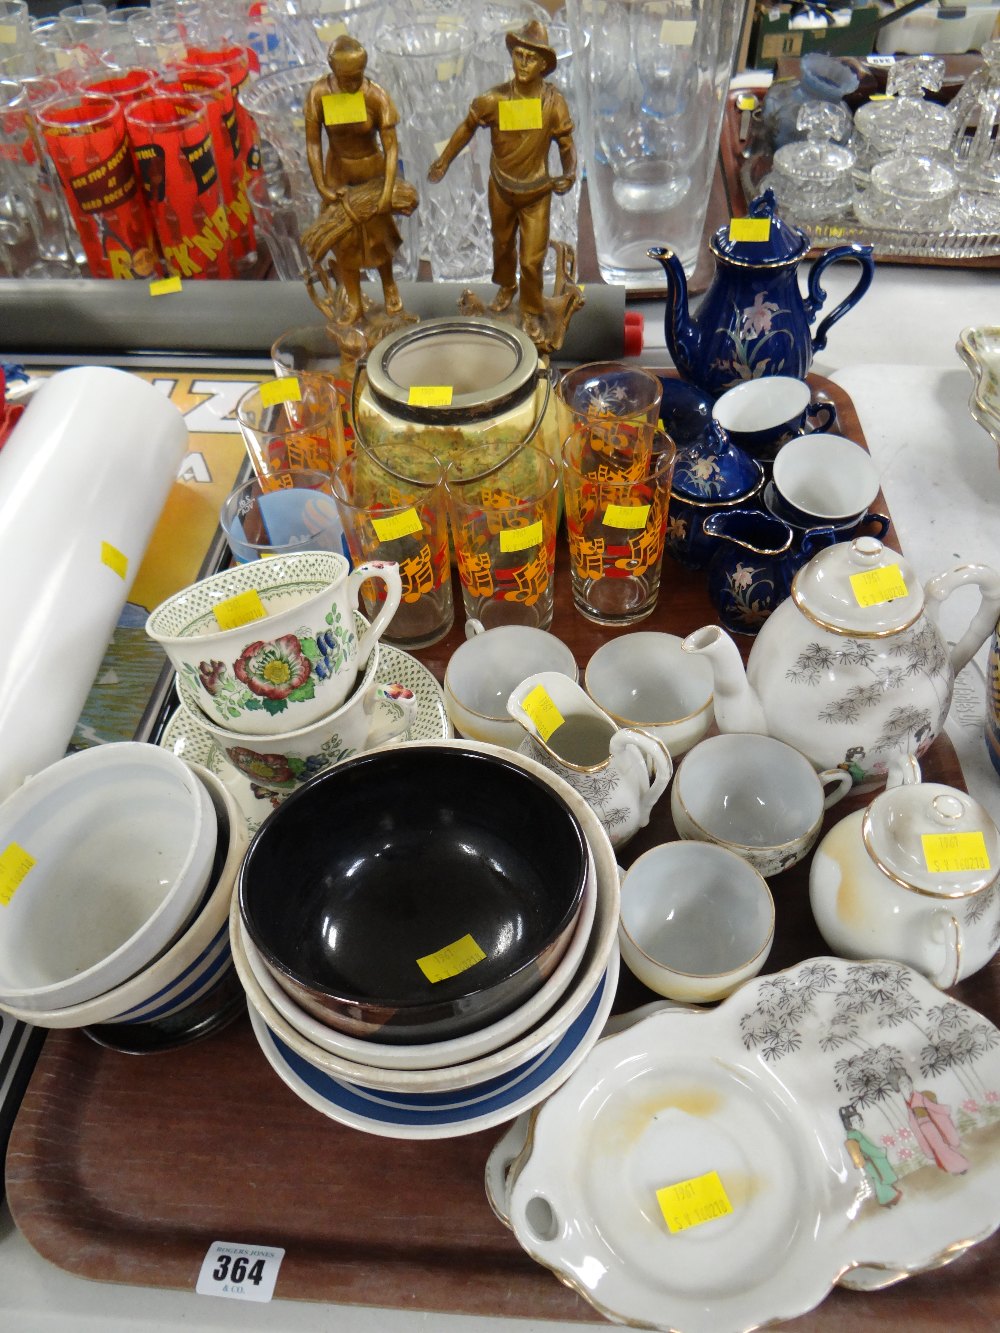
696, 921
644, 680
820, 479
483, 671
760, 415
272, 646
756, 796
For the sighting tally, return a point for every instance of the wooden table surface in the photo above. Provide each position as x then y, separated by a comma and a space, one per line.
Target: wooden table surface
126, 1169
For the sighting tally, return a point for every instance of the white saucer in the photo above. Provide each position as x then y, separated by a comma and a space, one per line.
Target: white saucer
193, 743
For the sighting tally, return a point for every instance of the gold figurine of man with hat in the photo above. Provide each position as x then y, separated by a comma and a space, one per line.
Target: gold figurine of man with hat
524, 116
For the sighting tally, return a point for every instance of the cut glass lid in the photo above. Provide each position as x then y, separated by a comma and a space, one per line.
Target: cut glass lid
923, 836
818, 158
860, 587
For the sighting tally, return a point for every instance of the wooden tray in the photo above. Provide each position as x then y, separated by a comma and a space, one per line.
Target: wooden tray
126, 1170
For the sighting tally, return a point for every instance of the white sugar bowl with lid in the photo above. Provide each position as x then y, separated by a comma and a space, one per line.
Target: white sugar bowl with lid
852, 668
914, 877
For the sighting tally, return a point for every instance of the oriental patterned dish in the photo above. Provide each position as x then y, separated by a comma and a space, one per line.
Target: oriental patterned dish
709, 1173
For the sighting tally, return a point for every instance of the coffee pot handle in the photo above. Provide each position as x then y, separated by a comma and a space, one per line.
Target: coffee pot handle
860, 254
987, 580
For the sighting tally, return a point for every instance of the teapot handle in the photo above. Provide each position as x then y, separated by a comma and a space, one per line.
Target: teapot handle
654, 758
861, 254
987, 580
951, 968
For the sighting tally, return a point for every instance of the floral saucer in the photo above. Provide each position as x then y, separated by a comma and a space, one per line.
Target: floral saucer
710, 1173
189, 741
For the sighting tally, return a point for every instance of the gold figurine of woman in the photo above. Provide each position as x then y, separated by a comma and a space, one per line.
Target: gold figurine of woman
357, 180
524, 116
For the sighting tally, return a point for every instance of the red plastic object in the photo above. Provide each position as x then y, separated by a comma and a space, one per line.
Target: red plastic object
9, 412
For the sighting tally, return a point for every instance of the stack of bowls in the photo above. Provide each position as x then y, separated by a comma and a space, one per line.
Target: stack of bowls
277, 666
444, 954
118, 868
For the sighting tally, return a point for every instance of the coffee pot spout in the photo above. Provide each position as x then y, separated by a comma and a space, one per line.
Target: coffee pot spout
680, 331
737, 707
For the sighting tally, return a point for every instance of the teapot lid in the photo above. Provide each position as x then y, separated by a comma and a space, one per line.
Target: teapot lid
779, 242
924, 834
861, 588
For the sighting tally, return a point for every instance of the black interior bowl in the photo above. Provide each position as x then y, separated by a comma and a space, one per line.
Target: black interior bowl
391, 858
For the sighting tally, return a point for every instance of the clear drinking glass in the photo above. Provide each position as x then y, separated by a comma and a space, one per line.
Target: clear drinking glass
655, 75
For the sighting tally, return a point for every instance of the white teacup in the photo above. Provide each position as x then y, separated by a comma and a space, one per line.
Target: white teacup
820, 479
696, 921
376, 712
483, 672
644, 679
756, 796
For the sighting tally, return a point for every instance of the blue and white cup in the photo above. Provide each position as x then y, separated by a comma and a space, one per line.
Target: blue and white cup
823, 480
762, 415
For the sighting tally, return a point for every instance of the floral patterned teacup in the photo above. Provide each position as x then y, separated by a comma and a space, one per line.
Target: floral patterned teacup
272, 646
376, 712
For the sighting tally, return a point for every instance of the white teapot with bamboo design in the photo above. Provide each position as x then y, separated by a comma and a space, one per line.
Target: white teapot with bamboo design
852, 668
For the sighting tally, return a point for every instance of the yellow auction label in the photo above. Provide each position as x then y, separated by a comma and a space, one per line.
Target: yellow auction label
284, 390
8, 34
448, 69
243, 609
114, 559
452, 960
397, 525
538, 705
690, 1203
430, 395
15, 864
749, 229
951, 853
344, 108
164, 286
520, 113
872, 587
677, 32
519, 539
626, 516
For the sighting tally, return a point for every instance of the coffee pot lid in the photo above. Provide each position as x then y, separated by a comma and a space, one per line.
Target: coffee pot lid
861, 588
934, 839
770, 243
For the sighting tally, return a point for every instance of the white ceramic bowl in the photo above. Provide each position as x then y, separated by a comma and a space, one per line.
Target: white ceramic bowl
644, 679
438, 1054
546, 1031
696, 921
120, 840
483, 671
197, 957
